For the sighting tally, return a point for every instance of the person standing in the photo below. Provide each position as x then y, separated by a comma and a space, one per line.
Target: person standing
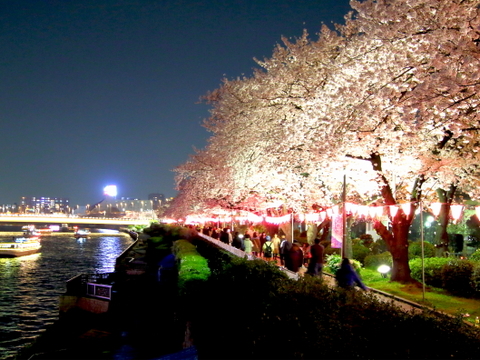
238, 241
315, 266
276, 247
285, 246
248, 244
294, 258
256, 244
267, 248
224, 236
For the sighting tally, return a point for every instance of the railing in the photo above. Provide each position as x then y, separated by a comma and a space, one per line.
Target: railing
93, 285
242, 254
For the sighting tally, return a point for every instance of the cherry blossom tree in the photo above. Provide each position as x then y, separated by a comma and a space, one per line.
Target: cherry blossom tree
395, 88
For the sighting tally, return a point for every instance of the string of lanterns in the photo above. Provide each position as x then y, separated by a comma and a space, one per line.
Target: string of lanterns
364, 211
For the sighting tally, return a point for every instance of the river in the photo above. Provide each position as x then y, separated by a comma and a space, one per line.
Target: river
30, 286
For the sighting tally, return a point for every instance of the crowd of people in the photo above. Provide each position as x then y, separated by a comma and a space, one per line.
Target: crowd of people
294, 256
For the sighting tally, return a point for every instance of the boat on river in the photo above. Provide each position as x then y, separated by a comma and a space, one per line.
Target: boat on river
81, 233
20, 246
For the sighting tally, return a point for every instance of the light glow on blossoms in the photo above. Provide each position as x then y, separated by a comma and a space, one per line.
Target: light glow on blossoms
278, 220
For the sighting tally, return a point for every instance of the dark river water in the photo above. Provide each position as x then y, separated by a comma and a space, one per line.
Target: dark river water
30, 286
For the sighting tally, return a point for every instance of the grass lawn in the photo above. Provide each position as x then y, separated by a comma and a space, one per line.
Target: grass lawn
435, 298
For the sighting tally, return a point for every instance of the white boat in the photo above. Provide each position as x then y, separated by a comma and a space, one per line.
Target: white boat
81, 233
30, 231
20, 247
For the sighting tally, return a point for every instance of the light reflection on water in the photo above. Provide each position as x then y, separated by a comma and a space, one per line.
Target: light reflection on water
31, 285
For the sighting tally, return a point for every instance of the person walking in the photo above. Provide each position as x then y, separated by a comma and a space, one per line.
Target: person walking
248, 244
347, 277
315, 266
267, 248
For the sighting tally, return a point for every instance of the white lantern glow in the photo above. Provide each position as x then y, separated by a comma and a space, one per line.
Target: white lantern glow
456, 211
436, 207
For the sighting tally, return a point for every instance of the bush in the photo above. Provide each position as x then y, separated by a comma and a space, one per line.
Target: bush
193, 268
432, 269
456, 275
360, 252
378, 247
313, 320
374, 261
334, 261
415, 250
475, 279
475, 256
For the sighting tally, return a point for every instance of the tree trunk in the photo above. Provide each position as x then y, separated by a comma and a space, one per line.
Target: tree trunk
397, 243
312, 231
441, 236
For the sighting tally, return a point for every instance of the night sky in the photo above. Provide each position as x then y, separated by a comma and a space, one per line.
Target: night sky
94, 93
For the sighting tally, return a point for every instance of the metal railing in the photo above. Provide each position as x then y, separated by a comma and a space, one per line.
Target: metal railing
93, 285
242, 254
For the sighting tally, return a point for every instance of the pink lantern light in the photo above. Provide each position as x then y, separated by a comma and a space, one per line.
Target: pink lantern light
329, 212
393, 210
336, 210
406, 207
477, 211
363, 210
313, 217
323, 216
436, 208
456, 211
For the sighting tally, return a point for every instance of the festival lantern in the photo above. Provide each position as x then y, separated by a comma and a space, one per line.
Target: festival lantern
436, 208
323, 216
406, 207
312, 217
329, 212
456, 211
393, 210
336, 210
477, 211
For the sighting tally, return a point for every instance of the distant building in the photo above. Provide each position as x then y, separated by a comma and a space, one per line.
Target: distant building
44, 205
123, 207
157, 200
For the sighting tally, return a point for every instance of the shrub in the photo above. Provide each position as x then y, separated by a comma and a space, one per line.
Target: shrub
379, 247
475, 256
330, 251
374, 261
432, 269
456, 275
313, 321
366, 239
193, 268
475, 279
359, 252
334, 261
415, 250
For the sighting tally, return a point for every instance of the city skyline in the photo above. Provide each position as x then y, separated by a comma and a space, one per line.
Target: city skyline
105, 92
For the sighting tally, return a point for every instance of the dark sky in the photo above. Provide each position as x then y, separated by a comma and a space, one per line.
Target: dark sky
102, 92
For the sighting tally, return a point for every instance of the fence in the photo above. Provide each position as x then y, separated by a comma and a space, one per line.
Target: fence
242, 254
93, 285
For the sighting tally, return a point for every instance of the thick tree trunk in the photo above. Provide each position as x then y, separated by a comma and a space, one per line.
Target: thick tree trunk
397, 243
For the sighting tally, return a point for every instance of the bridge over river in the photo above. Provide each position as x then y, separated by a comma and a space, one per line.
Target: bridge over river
69, 221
